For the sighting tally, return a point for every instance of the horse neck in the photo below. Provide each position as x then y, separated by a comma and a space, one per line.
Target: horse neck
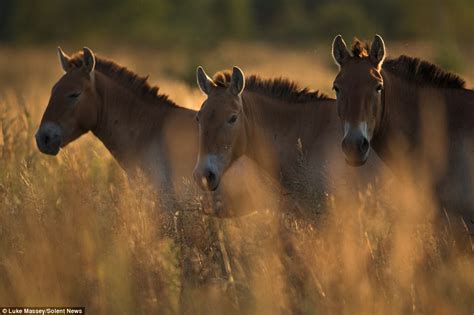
408, 108
274, 127
127, 125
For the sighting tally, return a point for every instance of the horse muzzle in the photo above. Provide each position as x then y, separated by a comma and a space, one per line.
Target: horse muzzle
356, 149
49, 138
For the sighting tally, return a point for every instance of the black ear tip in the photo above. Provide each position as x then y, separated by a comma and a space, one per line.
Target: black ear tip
236, 69
338, 41
88, 51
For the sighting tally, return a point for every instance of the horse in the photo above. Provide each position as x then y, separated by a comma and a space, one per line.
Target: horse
288, 131
418, 118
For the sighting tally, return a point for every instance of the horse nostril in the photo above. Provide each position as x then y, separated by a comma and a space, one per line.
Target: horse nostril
364, 145
211, 177
46, 139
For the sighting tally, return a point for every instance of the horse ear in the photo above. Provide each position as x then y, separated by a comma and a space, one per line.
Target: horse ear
204, 82
340, 53
377, 51
237, 81
89, 60
64, 60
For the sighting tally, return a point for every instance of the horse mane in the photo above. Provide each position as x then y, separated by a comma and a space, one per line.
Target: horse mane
280, 88
126, 78
360, 48
423, 72
413, 69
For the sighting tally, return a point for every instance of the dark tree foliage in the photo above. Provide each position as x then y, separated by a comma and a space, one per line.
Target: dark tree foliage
203, 22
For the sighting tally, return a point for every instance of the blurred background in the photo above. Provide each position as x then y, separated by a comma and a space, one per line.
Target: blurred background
202, 23
74, 232
192, 27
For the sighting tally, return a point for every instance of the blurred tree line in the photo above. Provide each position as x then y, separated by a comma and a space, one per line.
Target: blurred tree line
204, 22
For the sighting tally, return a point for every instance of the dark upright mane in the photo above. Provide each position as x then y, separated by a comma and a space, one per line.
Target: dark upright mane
126, 78
423, 72
278, 88
413, 69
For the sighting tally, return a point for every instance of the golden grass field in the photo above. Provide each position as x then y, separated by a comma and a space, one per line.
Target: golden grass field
74, 232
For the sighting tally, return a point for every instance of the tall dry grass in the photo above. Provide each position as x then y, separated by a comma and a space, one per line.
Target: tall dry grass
75, 231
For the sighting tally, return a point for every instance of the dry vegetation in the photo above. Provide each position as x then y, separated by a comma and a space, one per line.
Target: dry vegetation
74, 232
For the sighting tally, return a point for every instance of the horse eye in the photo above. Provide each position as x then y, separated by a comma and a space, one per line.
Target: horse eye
197, 118
74, 95
379, 88
232, 119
